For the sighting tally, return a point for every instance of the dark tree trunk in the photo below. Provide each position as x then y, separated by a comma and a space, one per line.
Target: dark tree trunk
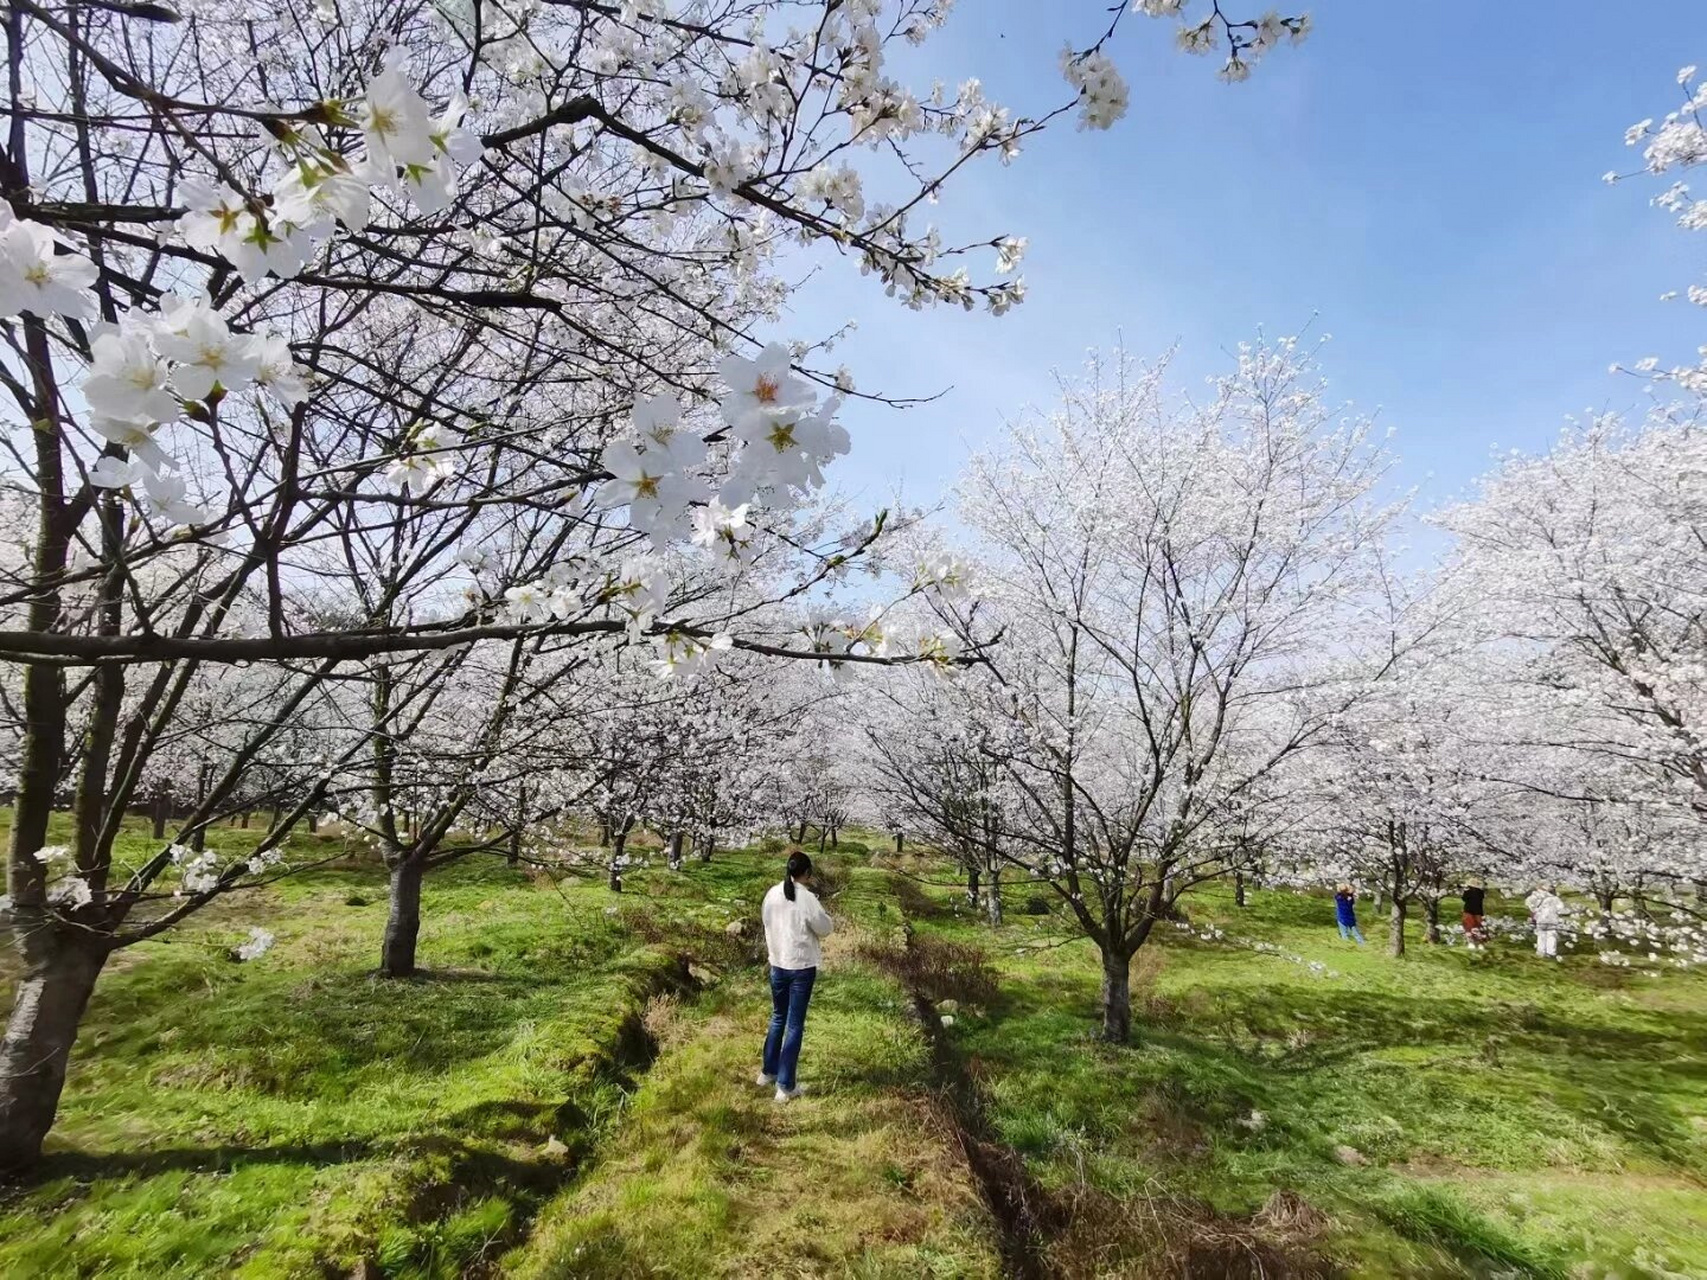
403, 923
204, 779
60, 968
162, 811
900, 841
1432, 934
1116, 998
605, 832
1238, 888
1398, 927
993, 896
313, 823
835, 835
244, 824
1604, 898
707, 846
514, 854
801, 838
619, 842
676, 840
972, 878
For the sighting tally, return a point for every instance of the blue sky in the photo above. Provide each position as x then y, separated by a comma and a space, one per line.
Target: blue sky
1428, 189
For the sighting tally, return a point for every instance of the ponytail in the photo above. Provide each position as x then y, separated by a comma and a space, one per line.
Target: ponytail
799, 865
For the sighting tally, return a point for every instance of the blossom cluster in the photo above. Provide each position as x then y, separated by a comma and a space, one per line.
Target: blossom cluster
145, 372
1677, 143
1103, 96
66, 889
407, 151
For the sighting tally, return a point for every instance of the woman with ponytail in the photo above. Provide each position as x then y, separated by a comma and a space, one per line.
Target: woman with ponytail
794, 922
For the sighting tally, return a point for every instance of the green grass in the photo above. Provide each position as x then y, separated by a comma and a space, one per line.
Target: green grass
505, 1115
295, 1113
1505, 1111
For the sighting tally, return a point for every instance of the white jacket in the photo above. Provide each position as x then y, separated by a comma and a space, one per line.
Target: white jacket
1547, 908
792, 929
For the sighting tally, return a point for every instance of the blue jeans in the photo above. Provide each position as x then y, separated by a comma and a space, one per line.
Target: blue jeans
1351, 931
791, 990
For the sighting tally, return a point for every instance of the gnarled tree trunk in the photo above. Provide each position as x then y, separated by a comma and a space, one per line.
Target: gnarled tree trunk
60, 968
1398, 927
403, 921
676, 840
1431, 934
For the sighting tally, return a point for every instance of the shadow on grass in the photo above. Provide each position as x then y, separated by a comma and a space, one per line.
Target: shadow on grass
86, 1166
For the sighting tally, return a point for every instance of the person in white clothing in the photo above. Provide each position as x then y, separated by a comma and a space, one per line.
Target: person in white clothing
1547, 909
794, 922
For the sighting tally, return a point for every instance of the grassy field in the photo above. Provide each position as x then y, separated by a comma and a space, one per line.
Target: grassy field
569, 1093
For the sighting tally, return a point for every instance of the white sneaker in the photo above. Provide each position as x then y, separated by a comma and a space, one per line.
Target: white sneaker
787, 1095
764, 1081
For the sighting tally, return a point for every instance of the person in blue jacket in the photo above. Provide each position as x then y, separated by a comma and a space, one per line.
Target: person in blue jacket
1345, 911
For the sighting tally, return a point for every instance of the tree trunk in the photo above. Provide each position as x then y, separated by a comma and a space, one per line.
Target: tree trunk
676, 839
605, 832
1604, 898
707, 845
1116, 998
900, 841
514, 854
801, 838
972, 878
162, 811
204, 779
403, 923
1432, 934
313, 823
60, 968
1238, 888
619, 842
1398, 927
993, 896
244, 824
835, 835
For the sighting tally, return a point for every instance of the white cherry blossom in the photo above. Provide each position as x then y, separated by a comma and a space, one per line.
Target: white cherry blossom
37, 278
127, 381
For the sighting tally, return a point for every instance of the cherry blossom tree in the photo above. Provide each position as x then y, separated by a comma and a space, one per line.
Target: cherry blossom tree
1395, 797
936, 766
1586, 571
1162, 574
